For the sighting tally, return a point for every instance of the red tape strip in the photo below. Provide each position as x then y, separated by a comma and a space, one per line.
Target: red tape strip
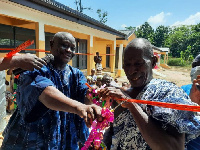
165, 105
19, 48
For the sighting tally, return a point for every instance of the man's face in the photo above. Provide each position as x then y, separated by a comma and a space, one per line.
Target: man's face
138, 68
63, 48
106, 81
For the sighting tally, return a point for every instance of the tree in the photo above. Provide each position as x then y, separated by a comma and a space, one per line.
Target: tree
130, 28
177, 40
102, 16
194, 39
160, 36
80, 7
145, 31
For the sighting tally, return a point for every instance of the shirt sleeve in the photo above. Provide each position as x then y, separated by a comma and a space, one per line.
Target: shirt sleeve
30, 87
184, 121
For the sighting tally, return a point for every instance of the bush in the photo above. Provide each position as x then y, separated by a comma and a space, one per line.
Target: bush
178, 62
175, 62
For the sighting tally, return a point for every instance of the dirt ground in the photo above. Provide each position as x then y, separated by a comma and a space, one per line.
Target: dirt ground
179, 76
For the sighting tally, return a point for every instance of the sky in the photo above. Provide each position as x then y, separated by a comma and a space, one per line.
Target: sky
124, 13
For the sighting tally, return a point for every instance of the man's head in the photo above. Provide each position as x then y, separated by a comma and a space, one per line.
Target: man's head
63, 47
97, 53
106, 80
139, 62
124, 84
99, 79
196, 61
195, 71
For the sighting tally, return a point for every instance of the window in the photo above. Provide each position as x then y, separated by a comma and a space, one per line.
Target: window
80, 61
11, 37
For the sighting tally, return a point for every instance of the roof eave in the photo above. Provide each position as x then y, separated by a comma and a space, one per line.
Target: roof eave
68, 14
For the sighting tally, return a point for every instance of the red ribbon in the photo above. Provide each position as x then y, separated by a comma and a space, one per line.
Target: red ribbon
165, 105
19, 48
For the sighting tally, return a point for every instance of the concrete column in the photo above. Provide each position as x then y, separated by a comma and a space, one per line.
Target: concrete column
119, 72
90, 58
40, 38
112, 57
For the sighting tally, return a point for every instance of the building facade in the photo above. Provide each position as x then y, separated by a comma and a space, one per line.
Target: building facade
39, 20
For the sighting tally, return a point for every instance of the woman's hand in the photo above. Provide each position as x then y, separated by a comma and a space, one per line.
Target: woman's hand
112, 93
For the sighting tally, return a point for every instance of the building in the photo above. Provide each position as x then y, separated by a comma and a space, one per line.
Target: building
39, 20
159, 51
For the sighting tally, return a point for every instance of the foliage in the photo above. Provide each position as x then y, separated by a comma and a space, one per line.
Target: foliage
145, 31
186, 55
183, 41
160, 35
80, 7
102, 15
130, 28
176, 62
177, 40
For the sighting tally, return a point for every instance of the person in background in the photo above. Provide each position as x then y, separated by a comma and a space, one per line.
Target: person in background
8, 95
125, 86
116, 80
98, 65
193, 90
145, 127
99, 81
51, 112
106, 80
91, 79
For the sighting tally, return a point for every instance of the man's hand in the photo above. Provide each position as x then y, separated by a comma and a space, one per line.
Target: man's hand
195, 90
27, 62
89, 113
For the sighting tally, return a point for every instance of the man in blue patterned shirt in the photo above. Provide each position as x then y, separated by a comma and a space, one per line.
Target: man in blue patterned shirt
145, 127
51, 113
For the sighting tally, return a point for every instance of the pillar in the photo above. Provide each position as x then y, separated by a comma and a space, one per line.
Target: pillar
90, 58
119, 72
112, 57
40, 38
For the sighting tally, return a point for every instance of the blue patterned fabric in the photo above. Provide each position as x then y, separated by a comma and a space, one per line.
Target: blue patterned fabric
126, 133
34, 126
195, 143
